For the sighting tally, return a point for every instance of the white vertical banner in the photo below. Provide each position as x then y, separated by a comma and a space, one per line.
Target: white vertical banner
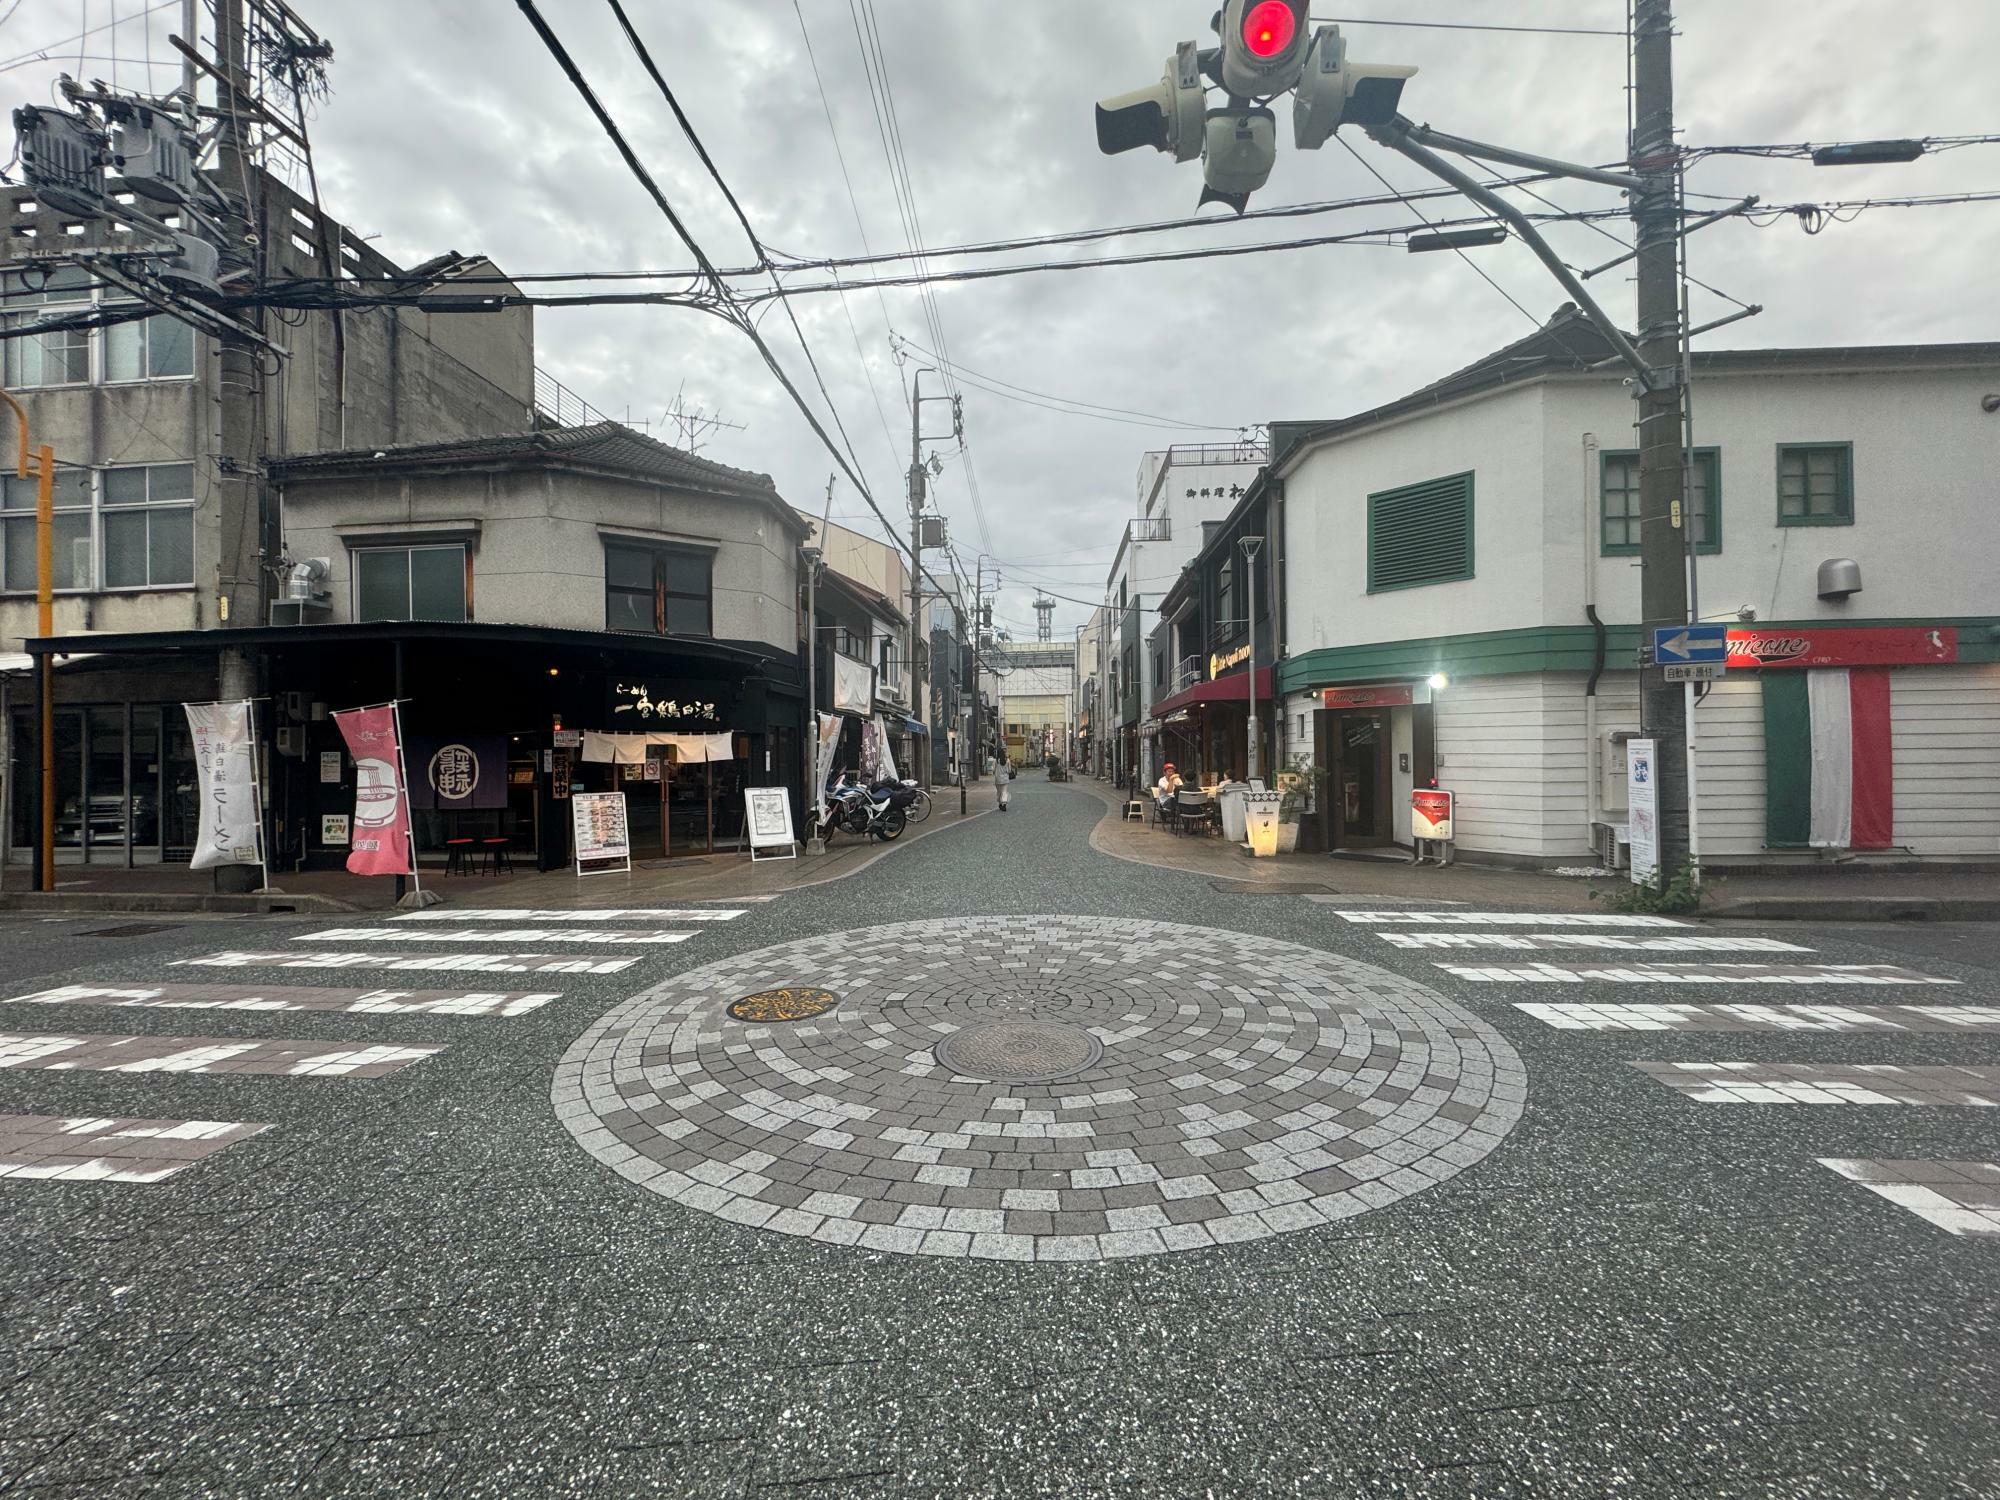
828, 744
1642, 818
229, 828
885, 758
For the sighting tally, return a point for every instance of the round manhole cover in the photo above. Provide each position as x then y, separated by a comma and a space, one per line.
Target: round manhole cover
1019, 1051
793, 1003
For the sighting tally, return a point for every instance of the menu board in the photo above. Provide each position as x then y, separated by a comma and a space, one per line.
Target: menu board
599, 834
768, 817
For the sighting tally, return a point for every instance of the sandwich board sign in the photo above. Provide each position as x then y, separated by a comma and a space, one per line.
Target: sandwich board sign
767, 815
599, 835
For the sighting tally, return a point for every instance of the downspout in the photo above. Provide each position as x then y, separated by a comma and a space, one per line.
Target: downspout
1592, 752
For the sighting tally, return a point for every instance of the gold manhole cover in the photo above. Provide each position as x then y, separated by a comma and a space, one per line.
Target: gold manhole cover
1019, 1051
793, 1003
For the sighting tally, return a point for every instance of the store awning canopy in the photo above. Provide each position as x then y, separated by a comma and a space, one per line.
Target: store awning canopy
915, 726
1235, 688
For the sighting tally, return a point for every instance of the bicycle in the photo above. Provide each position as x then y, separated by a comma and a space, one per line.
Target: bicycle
920, 807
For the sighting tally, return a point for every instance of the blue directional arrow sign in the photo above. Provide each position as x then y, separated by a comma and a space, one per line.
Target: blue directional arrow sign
1675, 645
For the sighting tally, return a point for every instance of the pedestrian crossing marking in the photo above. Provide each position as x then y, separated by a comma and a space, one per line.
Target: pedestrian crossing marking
89, 1052
484, 963
1803, 1083
595, 936
1601, 941
1959, 1197
1643, 973
583, 914
251, 997
1667, 1017
76, 1148
1507, 919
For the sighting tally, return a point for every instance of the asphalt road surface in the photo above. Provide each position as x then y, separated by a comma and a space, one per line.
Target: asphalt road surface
1028, 1171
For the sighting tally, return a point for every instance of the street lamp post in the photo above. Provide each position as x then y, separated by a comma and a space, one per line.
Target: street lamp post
811, 557
1250, 546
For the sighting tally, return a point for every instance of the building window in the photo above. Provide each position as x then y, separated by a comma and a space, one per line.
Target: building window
409, 583
1619, 503
148, 526
657, 592
155, 348
139, 520
1816, 484
1420, 534
1159, 670
71, 564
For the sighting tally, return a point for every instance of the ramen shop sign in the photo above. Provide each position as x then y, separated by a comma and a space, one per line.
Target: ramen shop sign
637, 701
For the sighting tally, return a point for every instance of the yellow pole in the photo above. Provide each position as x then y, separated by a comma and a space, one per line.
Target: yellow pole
44, 468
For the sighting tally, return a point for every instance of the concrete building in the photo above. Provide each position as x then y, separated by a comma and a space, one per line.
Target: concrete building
1463, 588
1037, 697
1180, 491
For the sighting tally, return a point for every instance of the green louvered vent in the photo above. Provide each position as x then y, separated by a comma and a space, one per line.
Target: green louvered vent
1420, 534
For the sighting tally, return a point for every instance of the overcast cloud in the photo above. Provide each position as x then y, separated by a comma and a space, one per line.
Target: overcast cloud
450, 128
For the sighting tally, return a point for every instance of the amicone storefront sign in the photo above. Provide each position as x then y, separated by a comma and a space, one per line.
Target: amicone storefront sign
1430, 814
1382, 695
1813, 646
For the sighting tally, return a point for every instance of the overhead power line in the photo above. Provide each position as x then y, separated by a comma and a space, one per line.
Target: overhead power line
996, 386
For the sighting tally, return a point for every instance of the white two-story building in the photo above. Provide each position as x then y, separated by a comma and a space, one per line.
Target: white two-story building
1461, 592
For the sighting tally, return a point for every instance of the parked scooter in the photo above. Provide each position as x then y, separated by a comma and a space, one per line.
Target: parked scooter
881, 810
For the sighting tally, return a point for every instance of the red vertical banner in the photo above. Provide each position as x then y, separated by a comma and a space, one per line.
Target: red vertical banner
381, 835
1874, 767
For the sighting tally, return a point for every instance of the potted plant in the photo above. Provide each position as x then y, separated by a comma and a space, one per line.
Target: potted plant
1298, 786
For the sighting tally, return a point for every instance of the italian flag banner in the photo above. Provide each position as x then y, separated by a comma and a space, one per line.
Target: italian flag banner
1828, 767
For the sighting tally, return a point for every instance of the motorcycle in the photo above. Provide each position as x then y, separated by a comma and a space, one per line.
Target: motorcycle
881, 810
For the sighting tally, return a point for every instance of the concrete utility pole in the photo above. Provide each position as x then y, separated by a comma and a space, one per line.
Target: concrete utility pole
237, 395
811, 556
1251, 545
1663, 547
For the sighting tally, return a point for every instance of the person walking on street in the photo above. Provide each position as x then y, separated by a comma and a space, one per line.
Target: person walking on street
1000, 769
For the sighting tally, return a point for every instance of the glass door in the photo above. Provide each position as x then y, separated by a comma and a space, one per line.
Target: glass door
1360, 780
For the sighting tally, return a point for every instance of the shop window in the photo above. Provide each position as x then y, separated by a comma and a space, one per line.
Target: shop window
72, 552
1816, 484
149, 526
409, 583
1420, 534
1619, 503
654, 591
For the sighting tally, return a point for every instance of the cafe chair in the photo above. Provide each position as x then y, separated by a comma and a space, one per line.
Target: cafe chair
1195, 810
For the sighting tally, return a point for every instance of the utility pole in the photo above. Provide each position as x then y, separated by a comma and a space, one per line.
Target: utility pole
1663, 548
811, 556
238, 392
1251, 545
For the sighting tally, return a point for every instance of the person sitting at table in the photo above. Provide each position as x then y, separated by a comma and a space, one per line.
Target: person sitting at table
1165, 787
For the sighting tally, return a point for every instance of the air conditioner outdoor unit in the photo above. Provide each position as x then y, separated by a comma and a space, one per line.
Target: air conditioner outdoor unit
1614, 845
291, 739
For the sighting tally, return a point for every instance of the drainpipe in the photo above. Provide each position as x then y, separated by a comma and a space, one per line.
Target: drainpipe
1592, 752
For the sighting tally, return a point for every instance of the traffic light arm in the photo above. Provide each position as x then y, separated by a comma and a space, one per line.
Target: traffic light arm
1425, 136
1398, 135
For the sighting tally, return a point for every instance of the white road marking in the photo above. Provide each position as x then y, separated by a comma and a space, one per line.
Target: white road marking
246, 997
1607, 942
90, 1149
582, 914
1508, 919
1804, 1083
1568, 1016
595, 936
484, 963
1959, 1197
209, 1054
1638, 973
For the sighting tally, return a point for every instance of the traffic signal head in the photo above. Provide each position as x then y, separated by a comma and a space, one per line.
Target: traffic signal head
1333, 91
1167, 116
1263, 46
1239, 148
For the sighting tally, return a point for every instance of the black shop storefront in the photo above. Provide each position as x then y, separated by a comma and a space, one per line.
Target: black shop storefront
498, 722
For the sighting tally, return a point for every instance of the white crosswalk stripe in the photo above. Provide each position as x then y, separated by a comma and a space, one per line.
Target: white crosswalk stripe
68, 1148
270, 998
1713, 973
580, 914
1603, 942
166, 1054
1506, 919
1807, 1083
1580, 1016
514, 935
484, 963
1959, 1197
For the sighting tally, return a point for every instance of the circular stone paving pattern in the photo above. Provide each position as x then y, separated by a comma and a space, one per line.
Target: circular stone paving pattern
1130, 1088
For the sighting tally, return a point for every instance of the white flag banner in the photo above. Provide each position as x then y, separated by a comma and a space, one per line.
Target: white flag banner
228, 828
853, 686
823, 752
885, 758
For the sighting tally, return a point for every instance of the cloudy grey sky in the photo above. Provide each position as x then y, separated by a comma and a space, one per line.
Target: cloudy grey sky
450, 128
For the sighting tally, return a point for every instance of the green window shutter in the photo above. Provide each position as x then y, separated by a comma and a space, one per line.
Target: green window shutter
1420, 534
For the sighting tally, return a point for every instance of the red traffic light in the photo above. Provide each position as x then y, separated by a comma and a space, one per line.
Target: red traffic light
1269, 27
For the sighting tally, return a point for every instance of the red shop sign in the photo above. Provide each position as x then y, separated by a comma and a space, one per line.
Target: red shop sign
1391, 695
1811, 646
